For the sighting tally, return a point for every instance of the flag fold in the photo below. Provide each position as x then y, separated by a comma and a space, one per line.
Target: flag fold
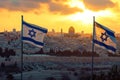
33, 34
104, 37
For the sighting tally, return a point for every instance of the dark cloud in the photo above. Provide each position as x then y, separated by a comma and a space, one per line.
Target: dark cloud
97, 5
54, 6
63, 9
60, 0
21, 5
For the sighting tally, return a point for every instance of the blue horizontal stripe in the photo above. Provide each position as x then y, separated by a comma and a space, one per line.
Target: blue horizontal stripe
113, 39
32, 40
109, 32
35, 27
105, 45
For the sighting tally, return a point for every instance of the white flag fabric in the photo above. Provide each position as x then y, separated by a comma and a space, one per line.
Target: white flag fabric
104, 37
33, 34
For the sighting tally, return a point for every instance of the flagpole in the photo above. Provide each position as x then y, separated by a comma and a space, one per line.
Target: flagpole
93, 47
21, 47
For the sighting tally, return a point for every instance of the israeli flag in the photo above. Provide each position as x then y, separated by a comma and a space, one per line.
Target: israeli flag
104, 37
33, 34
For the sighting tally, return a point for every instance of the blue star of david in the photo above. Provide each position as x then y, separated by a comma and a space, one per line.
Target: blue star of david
104, 36
32, 33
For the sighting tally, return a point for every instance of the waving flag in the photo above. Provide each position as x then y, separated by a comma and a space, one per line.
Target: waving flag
33, 34
104, 37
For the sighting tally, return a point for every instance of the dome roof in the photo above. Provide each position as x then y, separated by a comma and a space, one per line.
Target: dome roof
71, 30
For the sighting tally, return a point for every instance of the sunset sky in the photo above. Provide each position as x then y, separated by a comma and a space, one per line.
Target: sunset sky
57, 14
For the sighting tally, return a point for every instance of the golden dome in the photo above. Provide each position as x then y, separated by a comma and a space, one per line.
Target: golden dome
71, 30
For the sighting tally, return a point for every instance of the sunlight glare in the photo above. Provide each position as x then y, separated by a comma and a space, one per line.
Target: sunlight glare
86, 16
76, 3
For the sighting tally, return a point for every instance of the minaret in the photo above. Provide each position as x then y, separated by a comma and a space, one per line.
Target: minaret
62, 32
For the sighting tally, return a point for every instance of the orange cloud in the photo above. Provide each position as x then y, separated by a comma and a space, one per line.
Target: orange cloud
54, 6
97, 5
21, 5
63, 9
